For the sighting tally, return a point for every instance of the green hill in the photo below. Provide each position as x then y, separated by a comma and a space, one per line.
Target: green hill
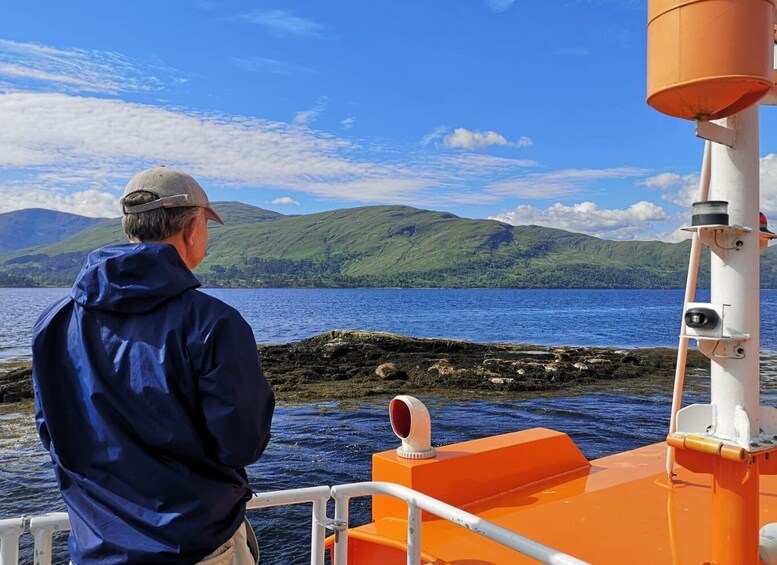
26, 228
58, 263
401, 246
393, 246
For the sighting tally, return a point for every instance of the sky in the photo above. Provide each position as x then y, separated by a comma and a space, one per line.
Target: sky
525, 111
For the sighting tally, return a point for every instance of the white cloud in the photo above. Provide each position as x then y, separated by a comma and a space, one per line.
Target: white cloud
500, 5
634, 222
284, 201
265, 65
307, 117
90, 202
462, 138
68, 144
680, 190
467, 139
478, 163
397, 190
573, 51
32, 66
558, 183
283, 22
675, 236
663, 181
75, 153
769, 186
435, 136
683, 190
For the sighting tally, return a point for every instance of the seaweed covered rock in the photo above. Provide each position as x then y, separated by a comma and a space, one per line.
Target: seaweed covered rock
350, 364
16, 384
353, 364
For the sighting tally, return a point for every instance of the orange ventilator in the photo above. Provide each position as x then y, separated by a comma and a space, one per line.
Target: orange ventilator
708, 59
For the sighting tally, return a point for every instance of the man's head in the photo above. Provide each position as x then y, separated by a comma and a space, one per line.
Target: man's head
165, 204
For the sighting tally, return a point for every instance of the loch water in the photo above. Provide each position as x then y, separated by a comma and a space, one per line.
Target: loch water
618, 318
331, 443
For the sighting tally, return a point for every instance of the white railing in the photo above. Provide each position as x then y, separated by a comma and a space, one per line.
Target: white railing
10, 532
417, 501
43, 527
317, 495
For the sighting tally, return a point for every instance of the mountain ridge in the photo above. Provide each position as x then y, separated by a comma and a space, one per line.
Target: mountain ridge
387, 246
38, 226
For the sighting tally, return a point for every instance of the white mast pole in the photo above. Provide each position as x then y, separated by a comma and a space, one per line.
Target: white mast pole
735, 282
735, 382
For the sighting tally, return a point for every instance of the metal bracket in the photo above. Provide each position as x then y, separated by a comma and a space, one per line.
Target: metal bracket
696, 419
715, 133
336, 526
721, 349
698, 422
742, 428
721, 239
332, 524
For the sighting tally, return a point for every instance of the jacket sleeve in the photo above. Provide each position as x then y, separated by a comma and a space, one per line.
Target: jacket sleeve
40, 421
237, 402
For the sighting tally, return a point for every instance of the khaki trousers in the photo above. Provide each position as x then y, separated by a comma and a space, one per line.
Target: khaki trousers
236, 550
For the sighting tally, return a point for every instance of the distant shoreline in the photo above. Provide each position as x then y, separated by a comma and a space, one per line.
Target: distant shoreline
347, 365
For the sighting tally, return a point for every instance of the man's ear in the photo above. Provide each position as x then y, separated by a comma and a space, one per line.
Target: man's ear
188, 231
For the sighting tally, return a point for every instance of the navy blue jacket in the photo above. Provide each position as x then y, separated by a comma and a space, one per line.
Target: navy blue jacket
151, 401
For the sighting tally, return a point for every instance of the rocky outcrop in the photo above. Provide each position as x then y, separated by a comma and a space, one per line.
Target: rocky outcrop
390, 372
352, 364
15, 383
348, 364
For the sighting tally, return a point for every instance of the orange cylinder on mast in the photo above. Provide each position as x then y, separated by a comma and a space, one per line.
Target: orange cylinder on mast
708, 59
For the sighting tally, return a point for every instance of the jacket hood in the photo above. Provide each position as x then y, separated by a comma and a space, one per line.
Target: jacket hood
132, 278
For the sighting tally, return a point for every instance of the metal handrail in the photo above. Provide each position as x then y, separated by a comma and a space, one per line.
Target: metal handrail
417, 501
10, 532
43, 527
317, 495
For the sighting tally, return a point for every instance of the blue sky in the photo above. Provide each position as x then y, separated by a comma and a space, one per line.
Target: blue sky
528, 111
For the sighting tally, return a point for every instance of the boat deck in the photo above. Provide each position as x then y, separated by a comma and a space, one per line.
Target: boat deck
618, 510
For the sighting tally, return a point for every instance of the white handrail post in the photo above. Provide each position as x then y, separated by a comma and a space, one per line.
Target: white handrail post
341, 536
42, 528
413, 533
10, 532
318, 532
43, 546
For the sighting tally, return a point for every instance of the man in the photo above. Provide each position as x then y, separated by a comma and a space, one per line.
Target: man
148, 392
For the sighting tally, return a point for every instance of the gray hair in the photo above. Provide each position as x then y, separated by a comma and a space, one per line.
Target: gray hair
157, 224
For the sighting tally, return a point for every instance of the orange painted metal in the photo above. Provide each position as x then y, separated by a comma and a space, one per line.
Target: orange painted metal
616, 510
708, 59
486, 467
735, 501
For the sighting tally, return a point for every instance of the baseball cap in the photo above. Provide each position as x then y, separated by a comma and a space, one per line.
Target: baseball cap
174, 189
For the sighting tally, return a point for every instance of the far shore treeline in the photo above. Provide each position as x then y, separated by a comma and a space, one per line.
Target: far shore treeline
373, 246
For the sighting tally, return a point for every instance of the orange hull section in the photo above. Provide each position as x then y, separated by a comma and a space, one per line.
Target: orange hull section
617, 510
